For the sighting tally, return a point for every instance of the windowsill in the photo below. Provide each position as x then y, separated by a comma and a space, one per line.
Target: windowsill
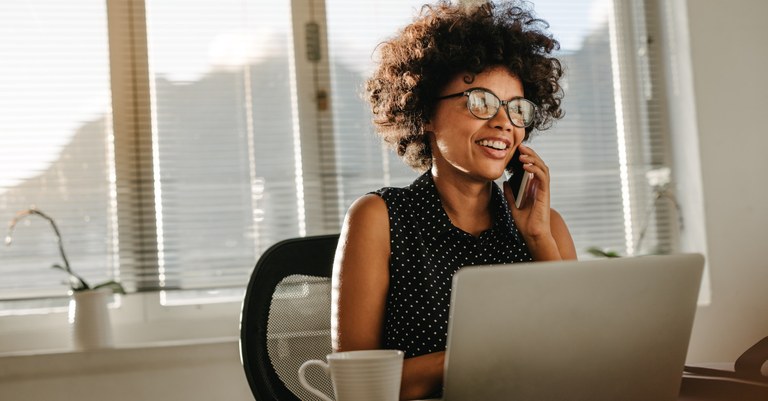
139, 322
65, 362
120, 348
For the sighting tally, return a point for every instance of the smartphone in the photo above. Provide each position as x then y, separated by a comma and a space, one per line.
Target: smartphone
518, 179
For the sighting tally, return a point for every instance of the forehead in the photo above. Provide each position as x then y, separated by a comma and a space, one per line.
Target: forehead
498, 80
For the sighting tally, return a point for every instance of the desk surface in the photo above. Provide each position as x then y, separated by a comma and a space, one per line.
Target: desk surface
714, 389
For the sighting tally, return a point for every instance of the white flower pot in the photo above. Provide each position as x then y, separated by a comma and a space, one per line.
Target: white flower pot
89, 322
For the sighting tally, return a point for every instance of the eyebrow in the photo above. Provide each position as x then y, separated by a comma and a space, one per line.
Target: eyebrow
462, 93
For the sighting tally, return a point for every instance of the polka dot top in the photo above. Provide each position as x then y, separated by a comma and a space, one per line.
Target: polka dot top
426, 250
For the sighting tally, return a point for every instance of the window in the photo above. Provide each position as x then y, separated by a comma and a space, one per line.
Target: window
226, 161
354, 30
55, 145
175, 141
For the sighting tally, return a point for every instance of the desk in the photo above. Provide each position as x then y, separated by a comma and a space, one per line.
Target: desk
714, 389
721, 389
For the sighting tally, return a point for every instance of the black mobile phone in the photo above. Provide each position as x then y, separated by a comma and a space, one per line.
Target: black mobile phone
518, 179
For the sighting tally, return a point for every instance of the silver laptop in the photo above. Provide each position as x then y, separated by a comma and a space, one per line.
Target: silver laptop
597, 330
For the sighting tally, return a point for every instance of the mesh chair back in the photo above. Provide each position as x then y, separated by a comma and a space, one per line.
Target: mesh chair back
285, 318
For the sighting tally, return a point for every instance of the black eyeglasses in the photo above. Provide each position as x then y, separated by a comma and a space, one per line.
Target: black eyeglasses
484, 105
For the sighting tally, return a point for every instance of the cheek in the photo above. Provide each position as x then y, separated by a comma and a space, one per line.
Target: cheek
441, 142
519, 135
449, 116
449, 144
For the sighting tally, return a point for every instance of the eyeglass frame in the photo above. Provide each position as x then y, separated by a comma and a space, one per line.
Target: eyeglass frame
502, 103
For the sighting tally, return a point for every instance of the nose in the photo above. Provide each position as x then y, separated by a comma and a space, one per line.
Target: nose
501, 120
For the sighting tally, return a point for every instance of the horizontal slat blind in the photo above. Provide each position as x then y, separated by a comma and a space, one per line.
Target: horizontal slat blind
225, 140
55, 129
355, 28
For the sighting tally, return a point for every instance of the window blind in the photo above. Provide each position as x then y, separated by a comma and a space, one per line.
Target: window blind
55, 155
355, 28
583, 149
226, 171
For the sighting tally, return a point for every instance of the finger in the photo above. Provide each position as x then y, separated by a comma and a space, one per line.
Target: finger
533, 192
535, 160
536, 166
540, 174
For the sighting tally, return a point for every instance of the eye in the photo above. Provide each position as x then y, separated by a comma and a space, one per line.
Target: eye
478, 104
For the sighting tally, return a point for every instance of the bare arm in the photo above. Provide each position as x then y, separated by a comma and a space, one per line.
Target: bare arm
422, 376
562, 236
360, 285
361, 276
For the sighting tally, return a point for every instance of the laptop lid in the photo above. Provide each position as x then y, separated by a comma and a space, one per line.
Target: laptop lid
605, 329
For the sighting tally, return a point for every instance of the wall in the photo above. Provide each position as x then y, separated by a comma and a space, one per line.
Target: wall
728, 56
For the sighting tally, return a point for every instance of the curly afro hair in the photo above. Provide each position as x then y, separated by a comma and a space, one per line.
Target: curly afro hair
446, 40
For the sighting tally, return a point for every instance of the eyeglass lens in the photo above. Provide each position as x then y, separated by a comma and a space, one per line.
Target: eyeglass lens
484, 104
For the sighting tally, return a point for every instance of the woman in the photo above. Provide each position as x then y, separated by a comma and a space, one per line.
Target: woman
454, 95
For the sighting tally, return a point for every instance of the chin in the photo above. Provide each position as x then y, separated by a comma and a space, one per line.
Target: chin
490, 175
498, 175
495, 173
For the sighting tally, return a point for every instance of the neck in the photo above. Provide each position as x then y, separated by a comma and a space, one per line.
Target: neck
465, 200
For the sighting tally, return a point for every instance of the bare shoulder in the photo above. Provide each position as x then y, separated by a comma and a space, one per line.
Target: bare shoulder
366, 227
556, 219
562, 235
370, 209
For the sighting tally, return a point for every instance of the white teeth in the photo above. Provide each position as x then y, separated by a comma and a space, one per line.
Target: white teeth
493, 144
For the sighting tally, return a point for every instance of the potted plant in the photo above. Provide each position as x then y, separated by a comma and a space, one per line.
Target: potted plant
659, 180
88, 313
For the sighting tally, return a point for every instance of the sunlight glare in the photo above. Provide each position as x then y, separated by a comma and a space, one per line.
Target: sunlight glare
237, 48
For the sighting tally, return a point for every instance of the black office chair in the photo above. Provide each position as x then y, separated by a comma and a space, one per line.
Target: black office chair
285, 318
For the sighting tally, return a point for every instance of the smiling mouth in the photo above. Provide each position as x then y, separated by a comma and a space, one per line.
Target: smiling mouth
497, 145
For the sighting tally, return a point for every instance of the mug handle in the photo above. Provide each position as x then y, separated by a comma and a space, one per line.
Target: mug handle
306, 384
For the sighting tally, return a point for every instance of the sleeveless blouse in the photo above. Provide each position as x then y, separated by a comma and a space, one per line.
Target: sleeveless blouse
426, 251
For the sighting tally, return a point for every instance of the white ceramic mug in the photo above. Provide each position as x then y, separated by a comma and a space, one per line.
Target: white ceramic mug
372, 375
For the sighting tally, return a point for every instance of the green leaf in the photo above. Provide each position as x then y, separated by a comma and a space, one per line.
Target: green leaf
603, 253
112, 284
76, 283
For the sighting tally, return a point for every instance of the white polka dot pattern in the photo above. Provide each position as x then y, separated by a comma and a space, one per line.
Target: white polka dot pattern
426, 250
